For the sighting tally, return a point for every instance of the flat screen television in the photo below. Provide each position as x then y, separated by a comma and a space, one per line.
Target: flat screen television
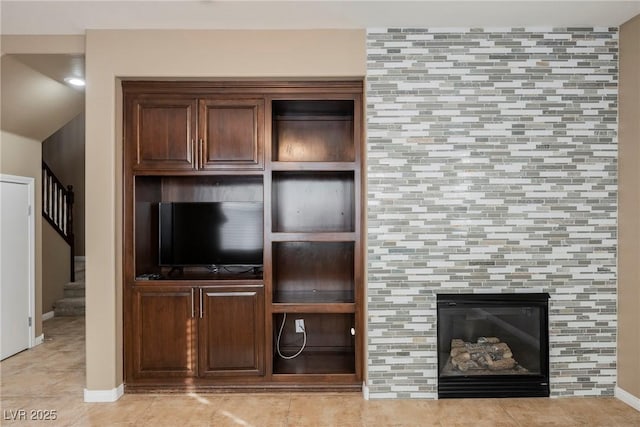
210, 234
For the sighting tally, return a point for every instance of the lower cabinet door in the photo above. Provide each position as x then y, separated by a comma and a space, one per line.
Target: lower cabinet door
164, 333
231, 332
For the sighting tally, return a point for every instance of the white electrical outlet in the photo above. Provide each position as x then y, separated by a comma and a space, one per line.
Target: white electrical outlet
299, 326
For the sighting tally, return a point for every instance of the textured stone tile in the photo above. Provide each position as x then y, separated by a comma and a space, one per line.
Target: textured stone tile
491, 167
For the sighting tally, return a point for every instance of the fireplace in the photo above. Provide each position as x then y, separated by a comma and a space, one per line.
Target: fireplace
493, 345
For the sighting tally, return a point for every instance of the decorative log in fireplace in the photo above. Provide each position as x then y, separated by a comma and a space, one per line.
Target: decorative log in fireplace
487, 355
493, 345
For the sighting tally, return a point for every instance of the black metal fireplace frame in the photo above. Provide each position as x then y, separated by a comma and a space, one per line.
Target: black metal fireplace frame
470, 386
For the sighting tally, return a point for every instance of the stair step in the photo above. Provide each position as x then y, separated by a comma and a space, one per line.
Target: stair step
70, 307
74, 289
73, 303
79, 267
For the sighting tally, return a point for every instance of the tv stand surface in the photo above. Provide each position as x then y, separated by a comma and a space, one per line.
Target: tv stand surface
187, 274
176, 271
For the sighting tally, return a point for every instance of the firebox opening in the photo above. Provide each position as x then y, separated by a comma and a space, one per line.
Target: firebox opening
492, 345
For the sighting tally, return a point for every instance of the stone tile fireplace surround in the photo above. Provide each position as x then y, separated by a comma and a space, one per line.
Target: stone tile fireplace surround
492, 168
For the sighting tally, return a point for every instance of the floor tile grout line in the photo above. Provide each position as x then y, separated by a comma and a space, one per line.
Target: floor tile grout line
516, 411
506, 411
286, 419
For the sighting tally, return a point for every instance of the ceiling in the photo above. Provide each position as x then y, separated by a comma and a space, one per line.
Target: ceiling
36, 101
75, 17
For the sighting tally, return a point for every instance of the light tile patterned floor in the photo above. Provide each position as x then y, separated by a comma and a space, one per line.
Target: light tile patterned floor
50, 377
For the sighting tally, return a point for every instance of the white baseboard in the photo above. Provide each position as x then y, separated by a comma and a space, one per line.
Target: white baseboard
48, 315
365, 391
627, 398
98, 396
38, 340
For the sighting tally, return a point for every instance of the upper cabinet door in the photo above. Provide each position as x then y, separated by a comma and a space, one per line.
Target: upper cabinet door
231, 133
162, 133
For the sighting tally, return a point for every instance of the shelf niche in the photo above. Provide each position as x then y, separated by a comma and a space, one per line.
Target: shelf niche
313, 272
308, 202
313, 131
330, 347
151, 190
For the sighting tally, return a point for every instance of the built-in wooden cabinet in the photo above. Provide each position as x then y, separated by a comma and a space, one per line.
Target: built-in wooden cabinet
315, 235
330, 350
161, 132
294, 147
231, 333
163, 335
231, 133
314, 130
169, 132
197, 331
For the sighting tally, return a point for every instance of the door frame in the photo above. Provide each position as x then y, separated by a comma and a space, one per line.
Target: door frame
30, 183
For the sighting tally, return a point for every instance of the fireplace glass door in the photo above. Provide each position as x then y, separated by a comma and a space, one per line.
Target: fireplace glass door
493, 345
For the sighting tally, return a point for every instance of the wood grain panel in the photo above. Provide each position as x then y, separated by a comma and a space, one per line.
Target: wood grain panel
163, 132
313, 202
314, 271
306, 130
313, 140
232, 331
147, 195
231, 133
165, 331
330, 347
212, 189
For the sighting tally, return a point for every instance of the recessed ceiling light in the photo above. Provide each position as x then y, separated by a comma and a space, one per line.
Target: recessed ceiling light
75, 81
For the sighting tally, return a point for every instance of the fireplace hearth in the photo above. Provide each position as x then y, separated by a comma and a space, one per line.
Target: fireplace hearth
493, 345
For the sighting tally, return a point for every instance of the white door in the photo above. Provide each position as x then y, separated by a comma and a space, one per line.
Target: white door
16, 274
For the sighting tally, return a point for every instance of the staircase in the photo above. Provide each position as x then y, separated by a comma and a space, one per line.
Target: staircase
73, 302
57, 209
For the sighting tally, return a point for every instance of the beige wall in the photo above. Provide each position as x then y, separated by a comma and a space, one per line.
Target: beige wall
71, 44
111, 55
34, 105
629, 210
23, 156
55, 266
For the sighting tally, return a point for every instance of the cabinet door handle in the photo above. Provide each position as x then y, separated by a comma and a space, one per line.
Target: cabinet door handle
193, 304
201, 304
194, 152
201, 154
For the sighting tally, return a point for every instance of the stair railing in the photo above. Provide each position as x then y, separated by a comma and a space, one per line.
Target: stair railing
57, 209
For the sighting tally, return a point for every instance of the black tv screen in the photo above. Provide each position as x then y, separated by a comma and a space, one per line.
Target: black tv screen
210, 233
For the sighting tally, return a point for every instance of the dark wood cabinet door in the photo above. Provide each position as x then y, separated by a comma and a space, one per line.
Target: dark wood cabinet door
231, 133
232, 331
164, 323
163, 132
